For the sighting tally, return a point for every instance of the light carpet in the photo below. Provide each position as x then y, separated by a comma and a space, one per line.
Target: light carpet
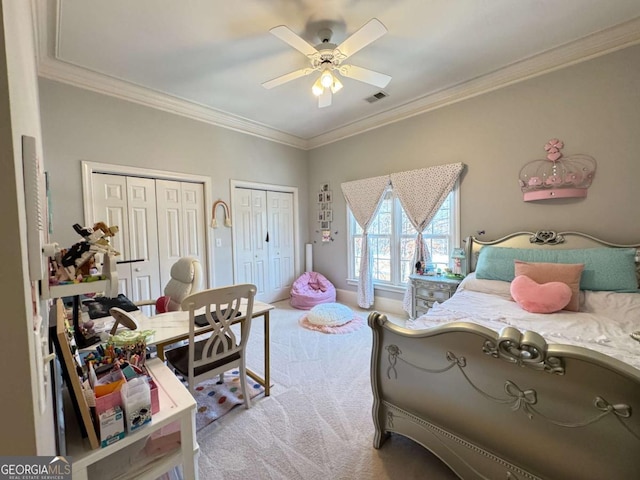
216, 399
317, 423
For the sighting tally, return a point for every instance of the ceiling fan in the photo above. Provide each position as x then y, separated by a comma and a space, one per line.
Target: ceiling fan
327, 58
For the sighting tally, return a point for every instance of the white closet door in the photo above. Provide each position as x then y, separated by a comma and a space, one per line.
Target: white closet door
130, 203
143, 238
181, 221
250, 247
110, 206
193, 222
264, 247
260, 243
281, 247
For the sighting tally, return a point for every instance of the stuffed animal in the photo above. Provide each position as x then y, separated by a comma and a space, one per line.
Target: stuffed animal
78, 260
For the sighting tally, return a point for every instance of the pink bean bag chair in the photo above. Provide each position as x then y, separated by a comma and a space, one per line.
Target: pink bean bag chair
310, 289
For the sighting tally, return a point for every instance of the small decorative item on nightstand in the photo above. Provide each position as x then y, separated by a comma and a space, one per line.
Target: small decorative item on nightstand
425, 291
458, 261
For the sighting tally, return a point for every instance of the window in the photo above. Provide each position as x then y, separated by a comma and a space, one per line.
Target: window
392, 240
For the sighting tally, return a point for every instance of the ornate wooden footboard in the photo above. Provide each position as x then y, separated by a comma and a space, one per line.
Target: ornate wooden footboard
506, 406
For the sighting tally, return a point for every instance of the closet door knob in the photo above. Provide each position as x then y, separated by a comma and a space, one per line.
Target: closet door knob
137, 269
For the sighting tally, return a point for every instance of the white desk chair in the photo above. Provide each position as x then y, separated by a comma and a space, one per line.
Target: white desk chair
223, 350
186, 278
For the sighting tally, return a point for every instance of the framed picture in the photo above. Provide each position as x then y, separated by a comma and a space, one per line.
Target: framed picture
328, 216
324, 187
328, 196
326, 235
320, 197
324, 225
324, 206
320, 215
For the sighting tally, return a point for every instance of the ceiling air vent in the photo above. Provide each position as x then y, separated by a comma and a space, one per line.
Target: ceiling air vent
376, 96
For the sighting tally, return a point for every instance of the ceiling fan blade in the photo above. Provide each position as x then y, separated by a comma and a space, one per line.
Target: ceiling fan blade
324, 100
286, 78
287, 35
369, 32
365, 75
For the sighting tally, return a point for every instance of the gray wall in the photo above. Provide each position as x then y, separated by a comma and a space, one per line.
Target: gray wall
31, 432
593, 106
81, 125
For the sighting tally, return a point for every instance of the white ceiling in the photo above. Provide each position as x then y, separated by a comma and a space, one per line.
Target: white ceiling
206, 59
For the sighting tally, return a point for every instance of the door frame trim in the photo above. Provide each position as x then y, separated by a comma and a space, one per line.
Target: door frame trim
89, 168
233, 184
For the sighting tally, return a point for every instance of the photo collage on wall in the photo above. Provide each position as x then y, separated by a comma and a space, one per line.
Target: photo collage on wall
325, 213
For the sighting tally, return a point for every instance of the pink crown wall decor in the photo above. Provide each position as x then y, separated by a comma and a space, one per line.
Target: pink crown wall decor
557, 176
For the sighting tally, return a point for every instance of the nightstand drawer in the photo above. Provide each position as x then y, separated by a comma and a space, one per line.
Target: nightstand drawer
426, 291
432, 295
422, 306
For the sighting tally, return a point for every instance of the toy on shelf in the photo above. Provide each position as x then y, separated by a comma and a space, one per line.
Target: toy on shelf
73, 272
77, 264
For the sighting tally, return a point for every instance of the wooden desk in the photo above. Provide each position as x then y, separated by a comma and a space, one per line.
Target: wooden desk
172, 327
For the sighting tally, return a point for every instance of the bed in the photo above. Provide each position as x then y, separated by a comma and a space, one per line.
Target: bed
497, 392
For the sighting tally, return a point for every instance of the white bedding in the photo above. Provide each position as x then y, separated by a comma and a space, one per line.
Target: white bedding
604, 323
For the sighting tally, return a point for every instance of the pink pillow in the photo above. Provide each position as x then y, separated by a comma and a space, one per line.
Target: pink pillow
568, 273
162, 304
540, 298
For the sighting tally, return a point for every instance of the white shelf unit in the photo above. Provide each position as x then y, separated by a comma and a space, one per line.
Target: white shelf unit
176, 404
109, 286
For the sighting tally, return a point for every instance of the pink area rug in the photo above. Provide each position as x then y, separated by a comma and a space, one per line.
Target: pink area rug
215, 400
348, 327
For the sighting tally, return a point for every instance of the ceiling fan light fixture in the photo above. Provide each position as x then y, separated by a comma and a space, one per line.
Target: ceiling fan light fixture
326, 78
337, 85
317, 87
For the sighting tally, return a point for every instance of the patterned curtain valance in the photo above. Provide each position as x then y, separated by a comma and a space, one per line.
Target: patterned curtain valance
421, 193
364, 198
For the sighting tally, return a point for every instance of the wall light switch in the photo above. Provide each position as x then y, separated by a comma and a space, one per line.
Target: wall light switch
218, 242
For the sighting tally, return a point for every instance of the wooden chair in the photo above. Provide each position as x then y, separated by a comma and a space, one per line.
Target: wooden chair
223, 349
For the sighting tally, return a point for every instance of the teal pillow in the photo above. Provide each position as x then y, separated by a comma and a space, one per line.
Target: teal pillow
611, 269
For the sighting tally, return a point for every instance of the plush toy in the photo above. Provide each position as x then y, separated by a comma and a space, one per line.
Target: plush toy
98, 237
78, 261
87, 268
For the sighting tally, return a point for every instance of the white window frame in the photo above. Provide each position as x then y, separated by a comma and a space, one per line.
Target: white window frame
395, 285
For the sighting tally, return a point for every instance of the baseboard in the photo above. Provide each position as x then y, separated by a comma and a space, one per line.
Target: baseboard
382, 304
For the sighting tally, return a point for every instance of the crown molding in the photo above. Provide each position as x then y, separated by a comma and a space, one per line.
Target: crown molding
594, 45
115, 87
60, 71
606, 41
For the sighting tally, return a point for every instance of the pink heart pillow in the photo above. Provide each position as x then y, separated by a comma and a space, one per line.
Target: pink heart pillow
540, 298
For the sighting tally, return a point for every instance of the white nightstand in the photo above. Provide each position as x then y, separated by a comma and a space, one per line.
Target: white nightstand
426, 290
